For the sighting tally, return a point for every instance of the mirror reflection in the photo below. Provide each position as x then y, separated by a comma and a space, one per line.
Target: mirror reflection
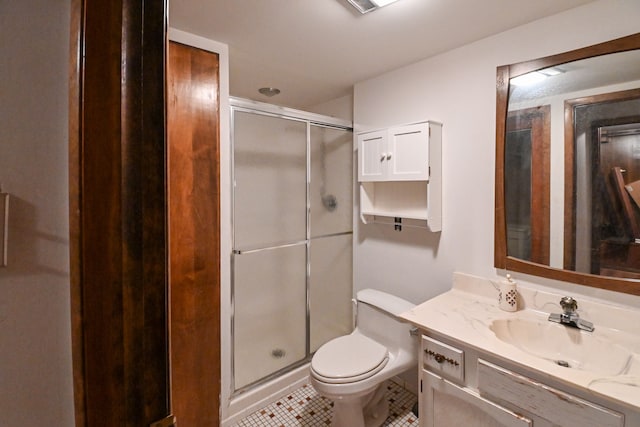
572, 166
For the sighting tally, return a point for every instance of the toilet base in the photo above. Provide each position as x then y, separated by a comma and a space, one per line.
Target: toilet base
370, 410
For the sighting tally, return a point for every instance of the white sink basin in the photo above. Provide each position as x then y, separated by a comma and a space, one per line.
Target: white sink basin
564, 346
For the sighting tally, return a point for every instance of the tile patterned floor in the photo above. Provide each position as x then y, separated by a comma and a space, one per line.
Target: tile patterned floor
304, 407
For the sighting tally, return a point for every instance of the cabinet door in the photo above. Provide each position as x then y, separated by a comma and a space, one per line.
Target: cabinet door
548, 406
407, 154
444, 404
372, 156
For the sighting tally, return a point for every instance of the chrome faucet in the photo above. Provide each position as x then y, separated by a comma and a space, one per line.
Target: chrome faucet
569, 316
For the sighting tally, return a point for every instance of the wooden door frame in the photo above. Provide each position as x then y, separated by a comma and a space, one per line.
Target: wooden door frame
538, 120
569, 160
117, 216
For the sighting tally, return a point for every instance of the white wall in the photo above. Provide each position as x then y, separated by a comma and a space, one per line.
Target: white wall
35, 325
457, 88
341, 108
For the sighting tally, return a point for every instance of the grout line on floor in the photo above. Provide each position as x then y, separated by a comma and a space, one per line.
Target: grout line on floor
304, 407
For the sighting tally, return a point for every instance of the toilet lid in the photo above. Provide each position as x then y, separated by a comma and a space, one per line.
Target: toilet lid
348, 357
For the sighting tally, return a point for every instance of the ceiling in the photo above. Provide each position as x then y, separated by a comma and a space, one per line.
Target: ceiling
596, 72
315, 51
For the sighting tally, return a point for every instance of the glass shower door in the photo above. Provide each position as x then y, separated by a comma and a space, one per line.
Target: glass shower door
292, 241
270, 180
270, 248
331, 219
270, 312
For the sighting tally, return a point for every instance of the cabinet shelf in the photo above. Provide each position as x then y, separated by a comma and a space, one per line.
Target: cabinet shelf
394, 199
399, 214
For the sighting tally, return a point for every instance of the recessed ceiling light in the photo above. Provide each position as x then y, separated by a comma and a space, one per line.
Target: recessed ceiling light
535, 77
269, 91
552, 71
364, 6
381, 3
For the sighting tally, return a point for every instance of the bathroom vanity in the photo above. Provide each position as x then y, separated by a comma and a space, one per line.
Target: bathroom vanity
481, 366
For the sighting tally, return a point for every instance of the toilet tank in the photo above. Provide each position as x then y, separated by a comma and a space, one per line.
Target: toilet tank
377, 313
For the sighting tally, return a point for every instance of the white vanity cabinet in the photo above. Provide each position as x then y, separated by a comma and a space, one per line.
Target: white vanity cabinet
400, 173
458, 387
445, 398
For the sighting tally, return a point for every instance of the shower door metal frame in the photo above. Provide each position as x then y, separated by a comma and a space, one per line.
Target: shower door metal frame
311, 119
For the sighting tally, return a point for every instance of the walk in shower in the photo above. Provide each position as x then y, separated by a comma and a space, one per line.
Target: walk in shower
292, 175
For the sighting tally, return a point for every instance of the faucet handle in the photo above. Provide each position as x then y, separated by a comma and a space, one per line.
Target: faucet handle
568, 304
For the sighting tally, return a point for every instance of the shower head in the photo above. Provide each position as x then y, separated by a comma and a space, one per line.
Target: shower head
330, 202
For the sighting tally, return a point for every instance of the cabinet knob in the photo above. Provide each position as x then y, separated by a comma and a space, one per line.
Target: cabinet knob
388, 156
382, 157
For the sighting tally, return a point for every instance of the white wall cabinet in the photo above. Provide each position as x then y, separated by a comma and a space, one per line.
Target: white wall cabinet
458, 387
400, 173
400, 153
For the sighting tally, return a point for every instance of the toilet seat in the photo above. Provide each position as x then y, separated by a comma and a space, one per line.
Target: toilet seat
349, 359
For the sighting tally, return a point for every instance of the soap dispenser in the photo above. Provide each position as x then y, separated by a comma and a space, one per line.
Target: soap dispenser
508, 295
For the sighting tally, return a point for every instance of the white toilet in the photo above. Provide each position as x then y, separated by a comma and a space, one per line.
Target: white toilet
352, 370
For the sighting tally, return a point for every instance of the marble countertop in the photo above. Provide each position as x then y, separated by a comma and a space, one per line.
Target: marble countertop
466, 313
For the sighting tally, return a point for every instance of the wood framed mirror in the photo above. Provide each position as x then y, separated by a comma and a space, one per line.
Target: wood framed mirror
568, 166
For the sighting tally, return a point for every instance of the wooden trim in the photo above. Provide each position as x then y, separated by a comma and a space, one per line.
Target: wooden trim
500, 225
591, 280
501, 260
569, 247
75, 96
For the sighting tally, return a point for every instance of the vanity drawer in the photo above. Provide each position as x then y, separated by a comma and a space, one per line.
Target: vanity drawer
553, 405
442, 358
